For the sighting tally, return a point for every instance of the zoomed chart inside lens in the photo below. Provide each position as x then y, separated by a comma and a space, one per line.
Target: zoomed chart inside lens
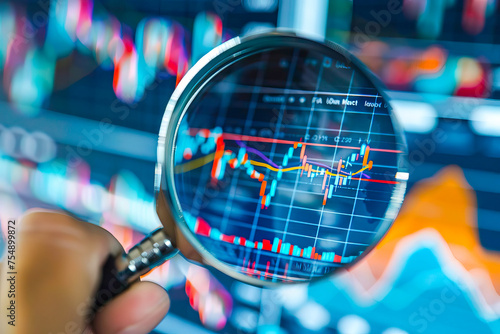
287, 165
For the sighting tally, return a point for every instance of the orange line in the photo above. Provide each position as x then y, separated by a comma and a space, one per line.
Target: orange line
324, 182
365, 158
218, 155
263, 188
302, 151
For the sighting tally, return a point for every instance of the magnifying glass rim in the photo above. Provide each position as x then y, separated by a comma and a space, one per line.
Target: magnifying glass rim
193, 83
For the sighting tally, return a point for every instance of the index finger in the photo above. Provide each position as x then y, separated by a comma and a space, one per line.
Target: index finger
59, 267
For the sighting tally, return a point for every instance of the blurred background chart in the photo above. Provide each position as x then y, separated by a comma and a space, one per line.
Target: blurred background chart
85, 84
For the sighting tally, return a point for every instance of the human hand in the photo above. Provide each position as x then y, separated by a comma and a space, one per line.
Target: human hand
59, 263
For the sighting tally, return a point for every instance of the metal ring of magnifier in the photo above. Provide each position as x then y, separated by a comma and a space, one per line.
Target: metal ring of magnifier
194, 82
159, 246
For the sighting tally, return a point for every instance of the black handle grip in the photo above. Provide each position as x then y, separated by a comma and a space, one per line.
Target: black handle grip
112, 283
119, 273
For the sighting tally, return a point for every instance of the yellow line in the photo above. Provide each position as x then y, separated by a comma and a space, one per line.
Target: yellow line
261, 164
361, 170
189, 166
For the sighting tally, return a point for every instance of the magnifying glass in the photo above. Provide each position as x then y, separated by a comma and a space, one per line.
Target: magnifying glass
279, 161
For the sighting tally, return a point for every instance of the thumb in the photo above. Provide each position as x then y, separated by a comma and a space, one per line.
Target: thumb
136, 311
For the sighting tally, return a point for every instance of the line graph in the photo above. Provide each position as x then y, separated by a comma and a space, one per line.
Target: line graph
222, 151
332, 178
267, 181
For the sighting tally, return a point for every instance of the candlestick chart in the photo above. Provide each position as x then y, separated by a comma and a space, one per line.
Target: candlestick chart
286, 185
340, 175
224, 153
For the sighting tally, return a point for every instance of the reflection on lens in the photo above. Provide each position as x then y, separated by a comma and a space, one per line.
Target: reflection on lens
287, 164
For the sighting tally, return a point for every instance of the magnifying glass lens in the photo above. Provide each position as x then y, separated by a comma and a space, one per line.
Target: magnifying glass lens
288, 164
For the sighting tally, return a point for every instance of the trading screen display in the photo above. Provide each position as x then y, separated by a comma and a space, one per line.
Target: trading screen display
287, 164
79, 127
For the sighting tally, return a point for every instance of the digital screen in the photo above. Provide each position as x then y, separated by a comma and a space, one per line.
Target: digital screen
287, 163
64, 76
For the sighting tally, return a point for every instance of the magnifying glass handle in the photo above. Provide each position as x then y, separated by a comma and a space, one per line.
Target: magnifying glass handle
119, 273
